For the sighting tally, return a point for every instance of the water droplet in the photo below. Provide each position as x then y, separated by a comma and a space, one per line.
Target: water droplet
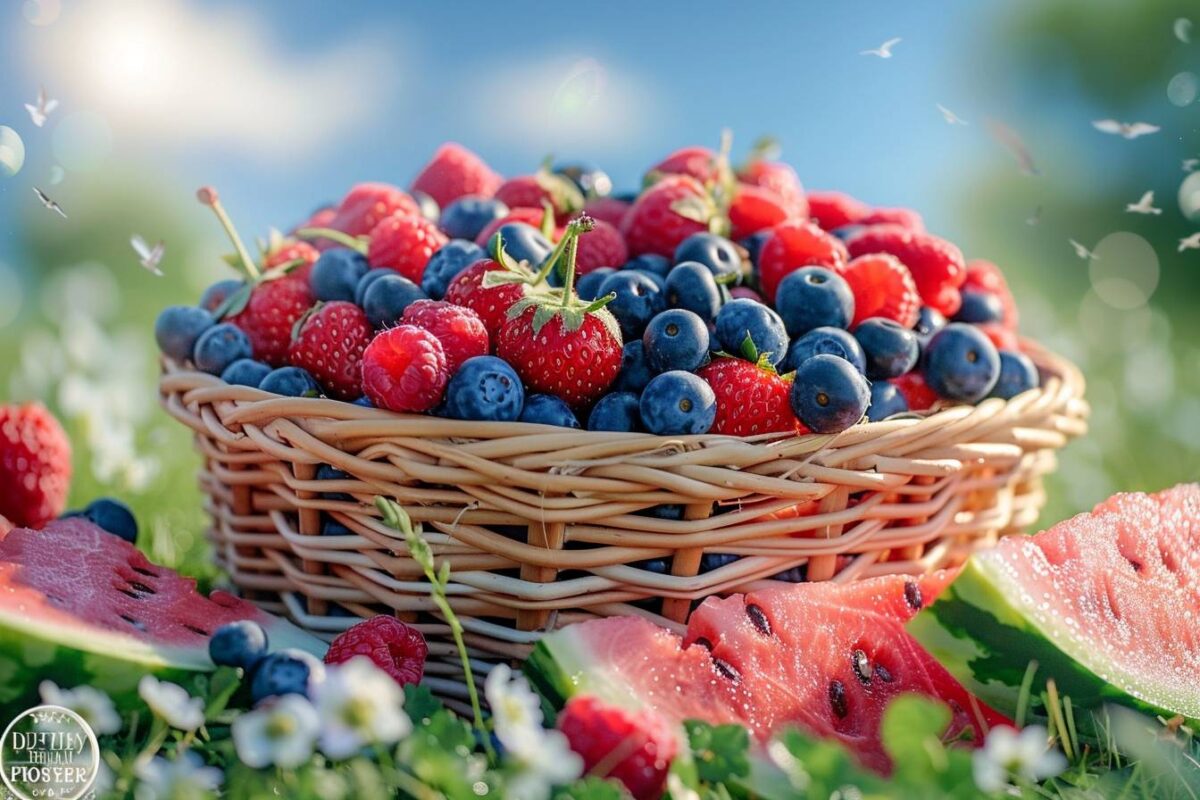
1182, 89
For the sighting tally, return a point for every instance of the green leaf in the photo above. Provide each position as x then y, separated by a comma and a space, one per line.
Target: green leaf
543, 315
590, 788
697, 209
223, 685
419, 703
719, 751
235, 303
748, 349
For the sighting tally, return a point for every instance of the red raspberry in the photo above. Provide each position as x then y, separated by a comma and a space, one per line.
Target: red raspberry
453, 172
607, 209
833, 210
1003, 337
270, 315
35, 465
405, 243
367, 204
404, 369
459, 329
882, 287
697, 162
530, 216
936, 264
904, 217
984, 276
754, 209
288, 250
666, 214
918, 394
635, 747
750, 399
531, 191
793, 245
491, 304
602, 246
330, 345
781, 179
396, 648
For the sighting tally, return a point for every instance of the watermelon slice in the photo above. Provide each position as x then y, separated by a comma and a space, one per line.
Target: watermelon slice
81, 606
824, 656
1106, 603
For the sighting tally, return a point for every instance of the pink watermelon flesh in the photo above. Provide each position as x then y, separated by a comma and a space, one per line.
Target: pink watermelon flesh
825, 657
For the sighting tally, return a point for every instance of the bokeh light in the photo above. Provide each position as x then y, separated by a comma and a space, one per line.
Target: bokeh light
57, 173
11, 297
1125, 270
580, 88
12, 152
1189, 196
42, 12
1182, 88
82, 141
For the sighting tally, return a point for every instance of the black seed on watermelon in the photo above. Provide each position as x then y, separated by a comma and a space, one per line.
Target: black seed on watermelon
912, 595
759, 618
727, 669
837, 699
862, 667
705, 643
883, 673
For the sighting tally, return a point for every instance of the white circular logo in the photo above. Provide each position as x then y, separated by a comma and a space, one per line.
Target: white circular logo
49, 752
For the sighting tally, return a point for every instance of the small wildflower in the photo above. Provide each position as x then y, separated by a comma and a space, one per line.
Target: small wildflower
282, 733
94, 706
516, 710
185, 778
172, 703
359, 704
1007, 753
541, 758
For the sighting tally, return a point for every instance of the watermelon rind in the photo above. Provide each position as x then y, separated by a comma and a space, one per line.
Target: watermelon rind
559, 669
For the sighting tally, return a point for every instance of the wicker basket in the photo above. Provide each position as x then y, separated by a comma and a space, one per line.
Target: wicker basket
541, 525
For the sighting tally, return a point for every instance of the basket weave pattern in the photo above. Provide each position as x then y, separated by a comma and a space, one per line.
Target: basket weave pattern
540, 524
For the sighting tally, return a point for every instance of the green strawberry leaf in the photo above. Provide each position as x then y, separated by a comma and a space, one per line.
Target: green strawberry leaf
590, 788
749, 350
235, 303
697, 209
420, 704
720, 751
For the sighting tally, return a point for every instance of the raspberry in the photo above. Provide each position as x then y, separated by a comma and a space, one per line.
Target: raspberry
330, 345
396, 648
832, 210
491, 304
984, 276
287, 251
905, 217
367, 204
530, 216
635, 747
607, 209
453, 172
882, 287
405, 243
666, 214
936, 265
531, 191
697, 162
753, 209
602, 246
792, 245
35, 466
404, 369
782, 180
916, 391
459, 329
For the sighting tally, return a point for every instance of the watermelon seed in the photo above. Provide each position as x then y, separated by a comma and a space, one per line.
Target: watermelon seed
140, 626
912, 595
726, 669
200, 631
862, 667
837, 699
143, 571
759, 618
138, 586
130, 593
955, 707
1137, 565
883, 673
705, 643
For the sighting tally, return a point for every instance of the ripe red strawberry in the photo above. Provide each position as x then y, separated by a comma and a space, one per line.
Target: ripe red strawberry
459, 329
916, 392
782, 180
367, 204
882, 287
454, 171
833, 210
750, 399
531, 191
634, 747
404, 369
270, 314
602, 246
330, 345
695, 161
607, 209
530, 216
754, 209
405, 243
285, 251
666, 214
984, 276
397, 649
490, 303
35, 466
792, 245
905, 217
936, 264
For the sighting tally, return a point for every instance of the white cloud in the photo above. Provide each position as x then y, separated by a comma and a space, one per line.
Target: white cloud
169, 73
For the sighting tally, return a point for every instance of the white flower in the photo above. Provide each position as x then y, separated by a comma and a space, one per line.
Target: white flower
185, 778
172, 703
94, 706
1007, 753
282, 733
542, 758
359, 704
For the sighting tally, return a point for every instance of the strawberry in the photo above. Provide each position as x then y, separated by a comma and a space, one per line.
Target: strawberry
532, 191
666, 214
530, 216
459, 329
695, 161
367, 204
397, 649
916, 392
753, 209
905, 217
35, 466
984, 276
607, 209
780, 179
602, 246
882, 287
329, 343
557, 343
490, 303
281, 252
404, 243
832, 210
633, 747
936, 264
404, 369
453, 172
751, 398
792, 245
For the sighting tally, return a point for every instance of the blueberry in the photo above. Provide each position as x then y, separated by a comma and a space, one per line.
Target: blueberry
657, 279
591, 180
291, 382
961, 363
286, 672
588, 286
690, 285
794, 575
744, 318
1017, 374
216, 294
332, 527
676, 403
220, 346
650, 262
886, 400
616, 412
245, 372
522, 242
711, 561
671, 511
831, 341
177, 329
386, 298
979, 308
635, 369
427, 205
467, 216
485, 388
659, 566
829, 394
238, 644
675, 339
814, 297
113, 516
444, 266
754, 242
328, 472
637, 300
929, 322
337, 273
890, 348
364, 401
722, 257
546, 409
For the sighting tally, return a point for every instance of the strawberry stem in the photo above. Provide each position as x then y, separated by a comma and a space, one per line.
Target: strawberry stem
569, 279
345, 239
208, 196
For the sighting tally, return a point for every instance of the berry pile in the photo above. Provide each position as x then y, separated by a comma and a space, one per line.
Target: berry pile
716, 300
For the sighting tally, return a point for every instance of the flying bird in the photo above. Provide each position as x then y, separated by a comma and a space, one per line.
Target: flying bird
48, 203
883, 51
1143, 206
1035, 218
1011, 141
1083, 252
1128, 130
950, 116
149, 257
1190, 164
1190, 243
41, 108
